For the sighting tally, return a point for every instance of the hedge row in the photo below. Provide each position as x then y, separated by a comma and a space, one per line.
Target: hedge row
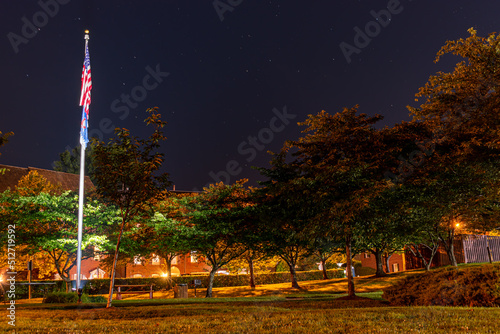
469, 286
71, 297
101, 286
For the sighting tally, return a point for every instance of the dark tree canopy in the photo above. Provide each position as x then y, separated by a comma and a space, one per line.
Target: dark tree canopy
69, 162
4, 138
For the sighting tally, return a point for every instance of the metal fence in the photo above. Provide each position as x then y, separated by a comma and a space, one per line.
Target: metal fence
479, 248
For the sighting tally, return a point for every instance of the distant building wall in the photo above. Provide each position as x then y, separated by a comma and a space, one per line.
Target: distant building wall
184, 264
397, 261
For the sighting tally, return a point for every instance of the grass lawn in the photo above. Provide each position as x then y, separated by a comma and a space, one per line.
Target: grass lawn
267, 309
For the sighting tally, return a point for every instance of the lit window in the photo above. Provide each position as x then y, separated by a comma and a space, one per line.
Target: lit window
175, 260
395, 267
194, 257
137, 276
137, 259
155, 260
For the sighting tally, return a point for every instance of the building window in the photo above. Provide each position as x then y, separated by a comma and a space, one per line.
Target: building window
367, 255
155, 260
137, 276
155, 275
175, 260
97, 273
137, 259
194, 257
395, 267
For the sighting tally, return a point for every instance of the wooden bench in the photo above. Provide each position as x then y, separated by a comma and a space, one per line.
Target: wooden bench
133, 289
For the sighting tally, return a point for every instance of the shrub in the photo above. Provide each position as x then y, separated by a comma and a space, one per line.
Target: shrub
469, 286
95, 299
365, 271
61, 297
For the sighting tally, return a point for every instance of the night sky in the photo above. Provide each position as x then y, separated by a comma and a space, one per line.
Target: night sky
232, 83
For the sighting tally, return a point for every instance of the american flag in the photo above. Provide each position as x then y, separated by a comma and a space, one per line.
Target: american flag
85, 98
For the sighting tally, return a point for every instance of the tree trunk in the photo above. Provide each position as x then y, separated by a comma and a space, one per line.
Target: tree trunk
387, 258
293, 275
211, 282
252, 276
323, 265
168, 265
379, 263
448, 246
450, 250
169, 269
419, 255
429, 263
350, 279
433, 250
113, 269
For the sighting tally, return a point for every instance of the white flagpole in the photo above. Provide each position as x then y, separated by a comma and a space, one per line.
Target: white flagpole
80, 218
80, 204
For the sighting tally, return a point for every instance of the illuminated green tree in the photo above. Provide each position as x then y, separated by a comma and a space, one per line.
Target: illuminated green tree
218, 225
48, 223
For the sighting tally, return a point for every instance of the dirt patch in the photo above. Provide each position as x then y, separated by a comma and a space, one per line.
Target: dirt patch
354, 298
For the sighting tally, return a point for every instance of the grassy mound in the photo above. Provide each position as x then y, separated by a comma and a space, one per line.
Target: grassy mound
449, 286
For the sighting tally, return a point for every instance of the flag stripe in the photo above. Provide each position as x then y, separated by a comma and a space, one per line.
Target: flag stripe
85, 98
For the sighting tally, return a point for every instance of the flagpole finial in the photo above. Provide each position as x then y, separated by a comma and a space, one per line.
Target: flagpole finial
87, 34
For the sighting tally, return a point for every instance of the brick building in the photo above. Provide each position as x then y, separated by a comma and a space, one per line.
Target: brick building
10, 176
397, 262
156, 267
